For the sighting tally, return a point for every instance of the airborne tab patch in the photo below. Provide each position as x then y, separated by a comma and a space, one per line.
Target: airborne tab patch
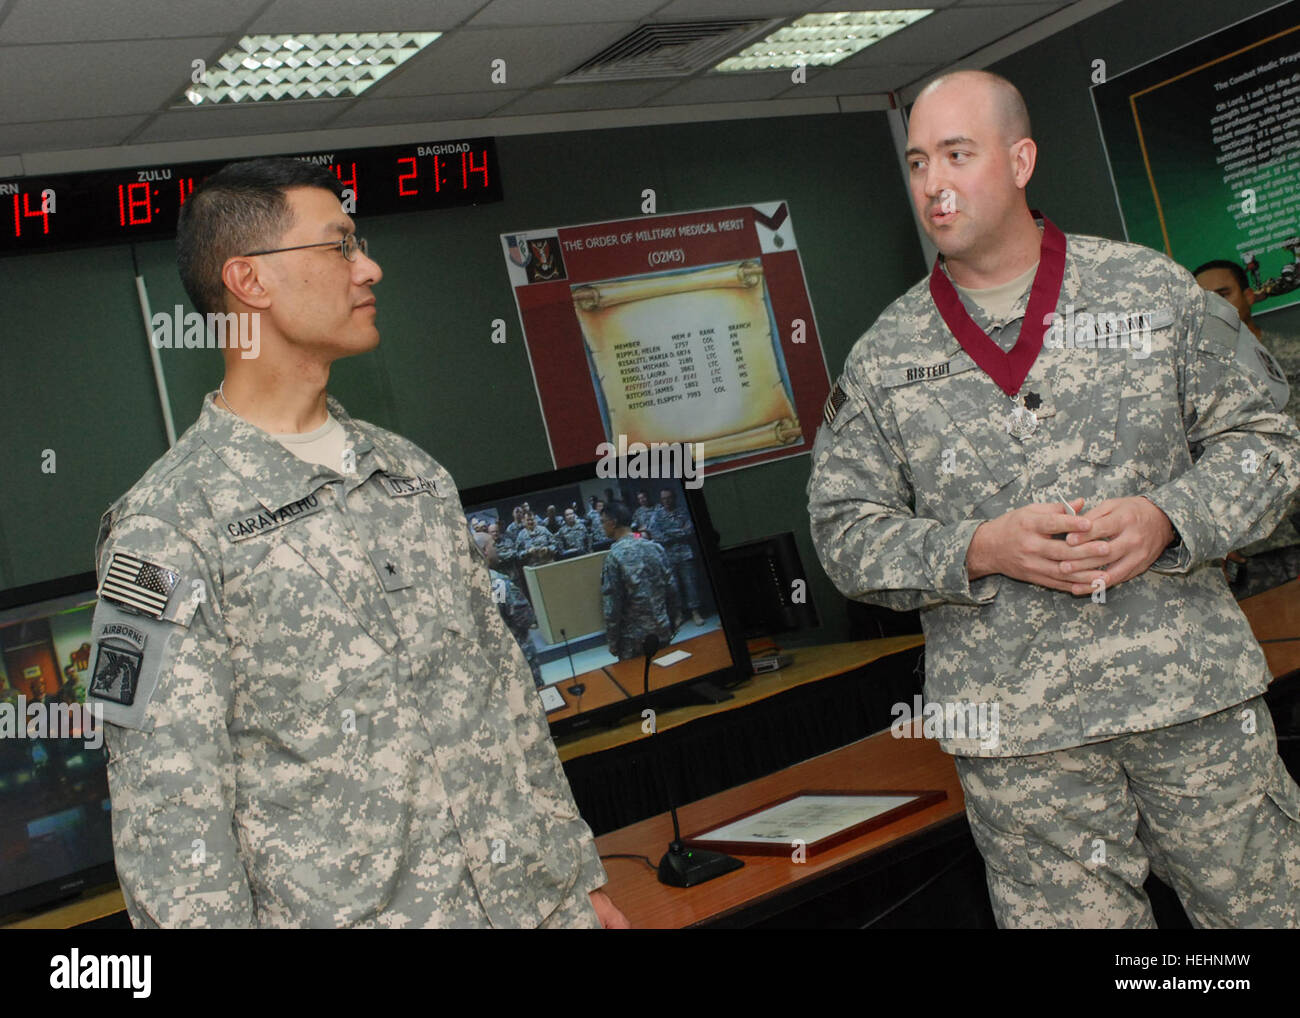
117, 665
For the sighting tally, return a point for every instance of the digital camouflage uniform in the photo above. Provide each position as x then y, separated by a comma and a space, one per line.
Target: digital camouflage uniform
573, 538
508, 558
1275, 559
328, 723
519, 618
1285, 347
916, 454
673, 529
638, 596
529, 542
641, 518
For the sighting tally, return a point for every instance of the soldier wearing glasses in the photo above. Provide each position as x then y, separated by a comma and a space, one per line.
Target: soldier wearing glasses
325, 722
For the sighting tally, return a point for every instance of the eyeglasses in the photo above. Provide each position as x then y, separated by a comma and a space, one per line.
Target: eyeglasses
349, 245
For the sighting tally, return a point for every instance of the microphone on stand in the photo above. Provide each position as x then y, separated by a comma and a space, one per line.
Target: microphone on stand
649, 647
577, 689
681, 866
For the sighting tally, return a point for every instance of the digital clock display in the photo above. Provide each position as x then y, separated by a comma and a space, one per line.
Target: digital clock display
112, 206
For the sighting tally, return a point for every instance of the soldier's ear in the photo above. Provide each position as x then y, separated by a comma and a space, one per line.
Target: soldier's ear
242, 277
1024, 156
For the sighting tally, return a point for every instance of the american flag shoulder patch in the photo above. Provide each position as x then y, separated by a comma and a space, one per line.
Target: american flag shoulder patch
833, 403
139, 585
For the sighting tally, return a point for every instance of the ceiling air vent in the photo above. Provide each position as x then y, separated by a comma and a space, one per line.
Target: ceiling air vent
670, 50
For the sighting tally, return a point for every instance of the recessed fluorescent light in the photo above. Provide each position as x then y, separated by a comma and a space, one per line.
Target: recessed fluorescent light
820, 39
268, 68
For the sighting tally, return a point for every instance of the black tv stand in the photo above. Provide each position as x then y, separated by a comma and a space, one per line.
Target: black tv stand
710, 693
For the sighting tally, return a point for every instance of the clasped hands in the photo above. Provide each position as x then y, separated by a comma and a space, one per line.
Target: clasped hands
1113, 541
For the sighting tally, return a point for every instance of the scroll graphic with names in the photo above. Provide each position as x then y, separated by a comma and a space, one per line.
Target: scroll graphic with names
718, 347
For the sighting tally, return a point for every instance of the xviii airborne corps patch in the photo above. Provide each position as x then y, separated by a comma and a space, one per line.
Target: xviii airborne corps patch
117, 674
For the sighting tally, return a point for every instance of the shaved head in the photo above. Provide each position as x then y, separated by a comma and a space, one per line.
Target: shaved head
969, 158
1007, 104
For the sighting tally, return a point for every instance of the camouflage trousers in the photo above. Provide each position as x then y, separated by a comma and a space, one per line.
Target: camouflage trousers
687, 579
1067, 837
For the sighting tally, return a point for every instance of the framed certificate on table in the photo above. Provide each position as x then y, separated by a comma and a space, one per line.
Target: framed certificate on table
813, 820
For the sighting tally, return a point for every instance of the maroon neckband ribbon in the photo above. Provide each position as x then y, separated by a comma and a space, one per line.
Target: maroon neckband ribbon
1008, 369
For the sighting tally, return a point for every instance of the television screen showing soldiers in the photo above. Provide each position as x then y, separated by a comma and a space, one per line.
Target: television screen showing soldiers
582, 580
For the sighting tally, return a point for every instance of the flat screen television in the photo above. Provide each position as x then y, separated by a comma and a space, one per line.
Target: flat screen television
567, 638
55, 826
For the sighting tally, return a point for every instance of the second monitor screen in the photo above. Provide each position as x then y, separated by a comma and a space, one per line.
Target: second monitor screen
581, 590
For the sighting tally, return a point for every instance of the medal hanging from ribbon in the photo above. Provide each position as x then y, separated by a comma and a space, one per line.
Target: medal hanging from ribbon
1009, 369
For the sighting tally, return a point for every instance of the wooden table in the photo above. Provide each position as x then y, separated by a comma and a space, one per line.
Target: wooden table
811, 664
879, 762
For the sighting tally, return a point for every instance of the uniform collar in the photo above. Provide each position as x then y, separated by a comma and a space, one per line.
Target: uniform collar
1071, 293
275, 476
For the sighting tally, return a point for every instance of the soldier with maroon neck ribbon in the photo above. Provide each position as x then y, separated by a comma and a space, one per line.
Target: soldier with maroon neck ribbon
1132, 735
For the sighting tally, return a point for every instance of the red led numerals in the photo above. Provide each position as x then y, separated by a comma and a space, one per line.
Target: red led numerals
133, 208
27, 212
348, 182
402, 178
467, 167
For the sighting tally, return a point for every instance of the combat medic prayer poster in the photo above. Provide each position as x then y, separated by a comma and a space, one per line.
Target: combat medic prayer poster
1204, 150
690, 327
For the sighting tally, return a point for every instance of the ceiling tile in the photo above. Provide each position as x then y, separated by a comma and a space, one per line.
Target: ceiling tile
99, 78
730, 88
463, 61
216, 122
33, 21
567, 98
950, 34
424, 109
370, 16
561, 12
698, 10
859, 80
57, 135
701, 10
